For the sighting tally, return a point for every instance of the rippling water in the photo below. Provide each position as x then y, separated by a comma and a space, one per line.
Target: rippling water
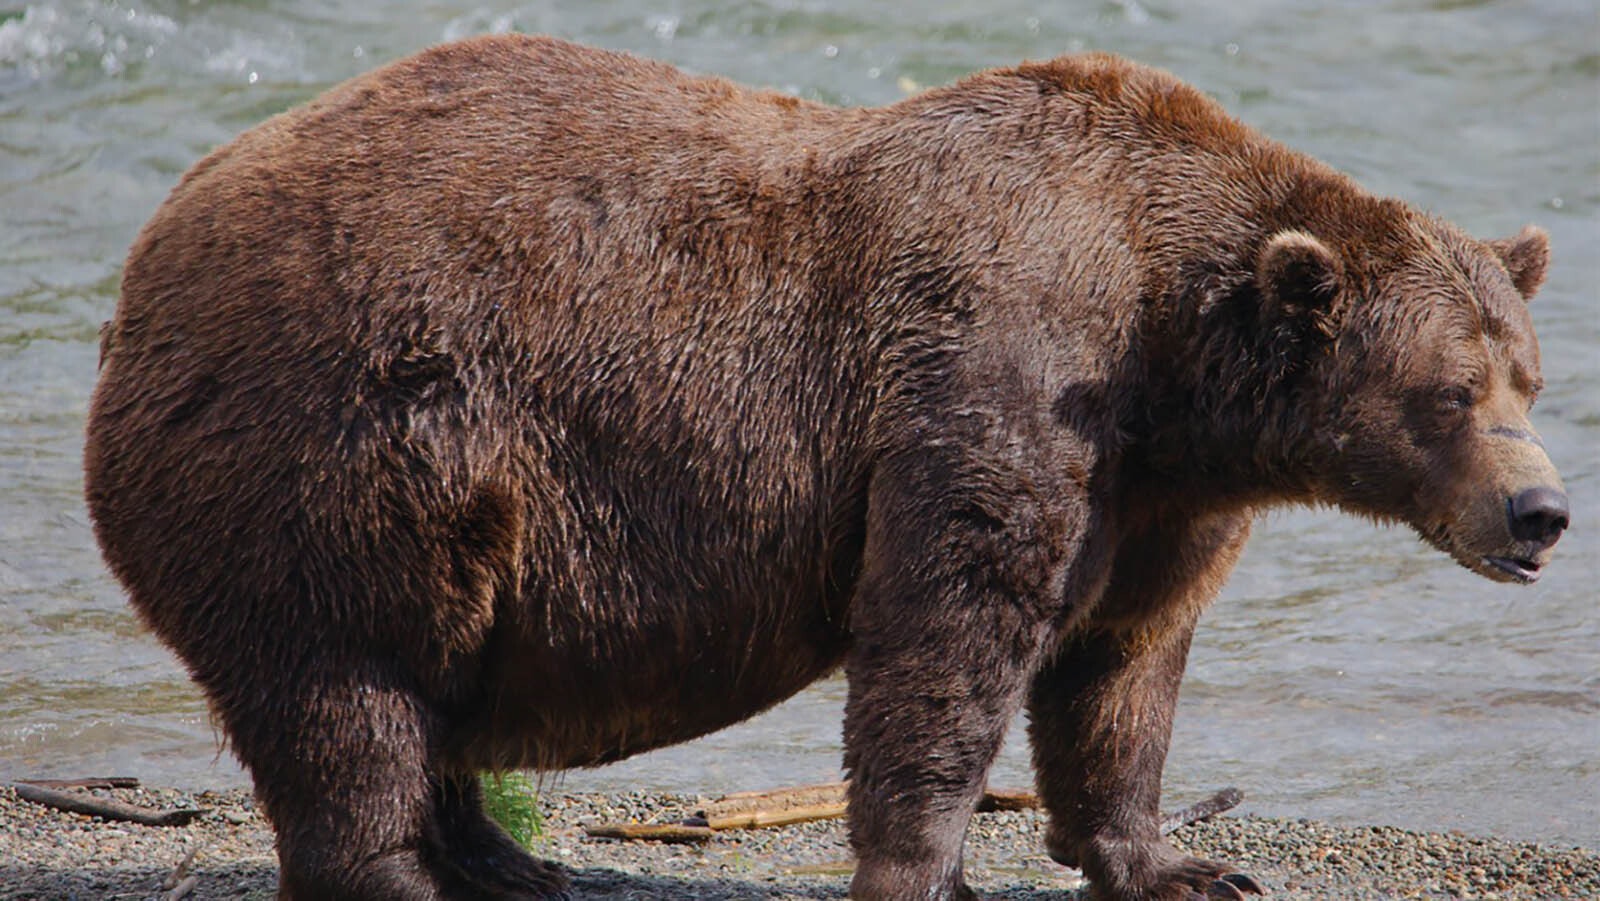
1347, 672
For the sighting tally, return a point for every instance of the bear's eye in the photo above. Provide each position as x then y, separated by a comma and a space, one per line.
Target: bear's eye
1456, 397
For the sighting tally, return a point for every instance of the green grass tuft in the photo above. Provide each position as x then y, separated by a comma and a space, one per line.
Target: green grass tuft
512, 799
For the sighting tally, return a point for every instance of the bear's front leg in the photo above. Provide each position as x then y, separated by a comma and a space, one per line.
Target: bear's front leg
948, 624
918, 754
1101, 718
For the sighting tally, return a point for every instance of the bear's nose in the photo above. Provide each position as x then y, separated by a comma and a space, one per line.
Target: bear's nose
1539, 514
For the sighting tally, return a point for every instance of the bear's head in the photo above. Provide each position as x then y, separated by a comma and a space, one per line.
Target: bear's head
1424, 369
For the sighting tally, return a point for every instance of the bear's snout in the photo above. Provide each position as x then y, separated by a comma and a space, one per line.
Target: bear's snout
1512, 508
1538, 515
1535, 518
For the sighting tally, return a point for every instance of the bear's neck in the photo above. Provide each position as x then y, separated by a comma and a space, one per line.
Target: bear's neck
1229, 405
1223, 414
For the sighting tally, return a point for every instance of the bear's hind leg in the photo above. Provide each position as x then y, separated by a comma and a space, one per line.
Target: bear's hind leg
341, 770
343, 764
481, 854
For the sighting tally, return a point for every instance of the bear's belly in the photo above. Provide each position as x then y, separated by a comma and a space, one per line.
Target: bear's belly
611, 690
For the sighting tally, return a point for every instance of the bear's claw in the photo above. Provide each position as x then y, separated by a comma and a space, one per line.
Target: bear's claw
1244, 883
1232, 887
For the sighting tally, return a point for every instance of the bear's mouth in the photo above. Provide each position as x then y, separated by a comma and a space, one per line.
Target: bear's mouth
1520, 570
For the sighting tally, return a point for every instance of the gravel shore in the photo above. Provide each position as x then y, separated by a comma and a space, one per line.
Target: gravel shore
46, 854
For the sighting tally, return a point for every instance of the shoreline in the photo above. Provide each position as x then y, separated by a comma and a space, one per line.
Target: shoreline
48, 854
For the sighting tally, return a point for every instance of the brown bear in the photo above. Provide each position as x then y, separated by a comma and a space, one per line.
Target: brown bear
526, 405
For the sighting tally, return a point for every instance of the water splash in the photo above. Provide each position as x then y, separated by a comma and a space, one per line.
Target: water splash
48, 39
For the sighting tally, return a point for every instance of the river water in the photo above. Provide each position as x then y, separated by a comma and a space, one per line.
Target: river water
1347, 672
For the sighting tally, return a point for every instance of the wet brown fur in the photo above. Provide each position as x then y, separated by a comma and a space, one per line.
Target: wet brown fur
526, 405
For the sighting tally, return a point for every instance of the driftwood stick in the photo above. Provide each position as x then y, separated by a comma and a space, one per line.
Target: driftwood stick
1007, 799
86, 782
650, 832
73, 802
182, 889
741, 803
1227, 799
785, 806
807, 803
180, 873
786, 816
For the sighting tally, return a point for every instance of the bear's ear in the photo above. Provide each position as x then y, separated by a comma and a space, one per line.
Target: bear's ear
1526, 257
1300, 277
